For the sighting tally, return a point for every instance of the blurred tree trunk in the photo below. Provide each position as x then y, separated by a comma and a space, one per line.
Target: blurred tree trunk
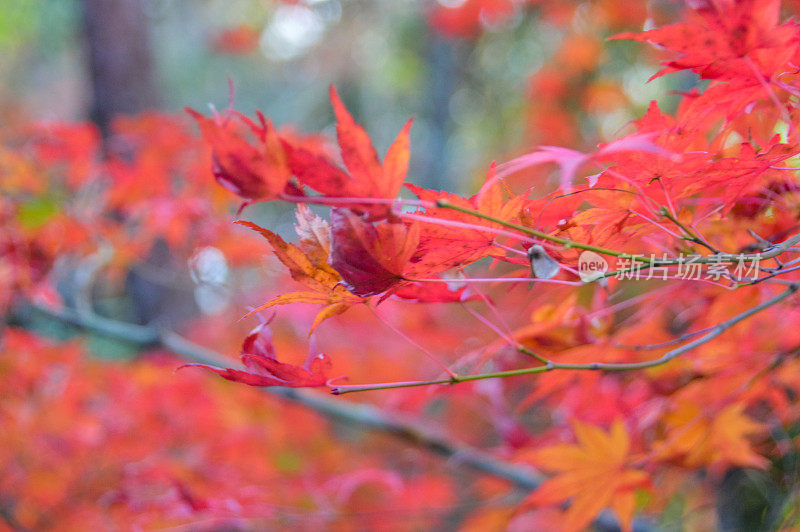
123, 81
446, 62
442, 82
120, 59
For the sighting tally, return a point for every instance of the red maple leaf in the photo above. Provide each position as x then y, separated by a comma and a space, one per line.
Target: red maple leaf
370, 257
366, 177
263, 369
257, 171
740, 46
446, 242
727, 40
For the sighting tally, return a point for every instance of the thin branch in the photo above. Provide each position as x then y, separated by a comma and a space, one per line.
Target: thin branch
443, 204
498, 280
344, 201
690, 236
769, 253
593, 366
640, 215
660, 345
465, 225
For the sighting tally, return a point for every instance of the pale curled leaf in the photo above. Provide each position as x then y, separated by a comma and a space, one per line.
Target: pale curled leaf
543, 266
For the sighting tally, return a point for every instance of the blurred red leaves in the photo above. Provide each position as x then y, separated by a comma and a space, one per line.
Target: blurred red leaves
466, 19
91, 444
436, 292
237, 40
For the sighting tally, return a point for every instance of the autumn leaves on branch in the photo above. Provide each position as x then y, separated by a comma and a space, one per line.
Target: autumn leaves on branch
666, 187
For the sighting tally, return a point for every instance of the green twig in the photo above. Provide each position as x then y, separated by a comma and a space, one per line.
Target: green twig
769, 253
691, 236
444, 204
594, 366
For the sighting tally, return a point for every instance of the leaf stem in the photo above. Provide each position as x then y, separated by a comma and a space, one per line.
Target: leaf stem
444, 204
345, 201
691, 236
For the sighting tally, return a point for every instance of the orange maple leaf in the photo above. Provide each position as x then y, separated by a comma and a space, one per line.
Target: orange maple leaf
316, 274
695, 439
595, 473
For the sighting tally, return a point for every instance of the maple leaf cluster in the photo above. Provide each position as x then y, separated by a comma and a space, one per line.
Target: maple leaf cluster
718, 174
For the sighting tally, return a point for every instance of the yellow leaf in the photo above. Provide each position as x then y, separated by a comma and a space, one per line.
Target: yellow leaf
311, 271
327, 312
317, 277
594, 474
